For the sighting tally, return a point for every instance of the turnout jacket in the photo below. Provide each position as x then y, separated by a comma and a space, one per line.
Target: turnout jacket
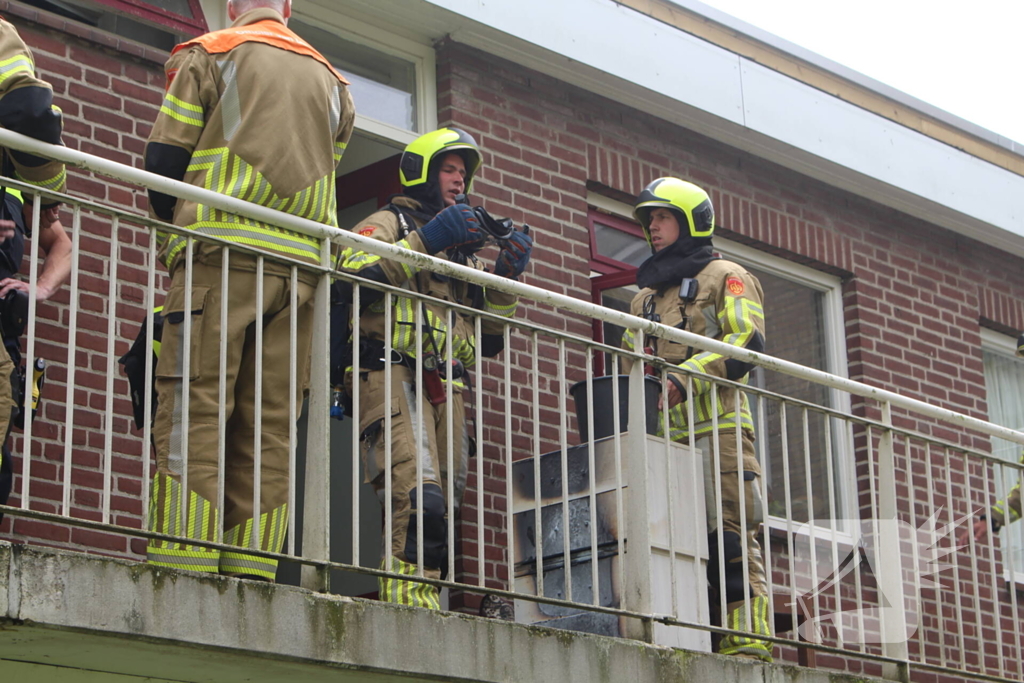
727, 307
387, 226
26, 106
253, 112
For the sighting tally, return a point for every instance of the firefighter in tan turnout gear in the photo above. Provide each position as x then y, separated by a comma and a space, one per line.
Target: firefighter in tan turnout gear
435, 169
253, 112
26, 106
684, 284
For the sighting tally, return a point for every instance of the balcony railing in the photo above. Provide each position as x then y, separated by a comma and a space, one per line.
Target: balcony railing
864, 570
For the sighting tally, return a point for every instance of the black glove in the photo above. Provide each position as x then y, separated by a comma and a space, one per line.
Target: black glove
514, 256
454, 227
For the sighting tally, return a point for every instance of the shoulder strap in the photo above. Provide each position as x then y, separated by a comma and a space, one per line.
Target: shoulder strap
268, 32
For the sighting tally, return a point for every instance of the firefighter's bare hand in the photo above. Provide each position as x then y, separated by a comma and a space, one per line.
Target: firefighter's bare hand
7, 229
49, 216
979, 530
674, 396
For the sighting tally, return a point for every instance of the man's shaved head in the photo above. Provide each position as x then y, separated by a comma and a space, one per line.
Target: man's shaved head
237, 8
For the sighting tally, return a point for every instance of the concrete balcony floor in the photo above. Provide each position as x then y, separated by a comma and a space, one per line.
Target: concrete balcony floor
78, 618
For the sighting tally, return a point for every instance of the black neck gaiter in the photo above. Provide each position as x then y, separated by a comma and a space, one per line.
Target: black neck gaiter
682, 259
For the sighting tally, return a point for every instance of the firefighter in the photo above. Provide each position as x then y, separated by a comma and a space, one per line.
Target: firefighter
434, 170
253, 112
1005, 511
684, 284
26, 106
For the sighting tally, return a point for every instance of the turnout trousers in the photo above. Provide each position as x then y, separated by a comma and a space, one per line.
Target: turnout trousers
196, 514
736, 525
418, 434
6, 412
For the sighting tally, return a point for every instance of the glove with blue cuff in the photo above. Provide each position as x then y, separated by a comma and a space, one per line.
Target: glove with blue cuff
454, 227
514, 255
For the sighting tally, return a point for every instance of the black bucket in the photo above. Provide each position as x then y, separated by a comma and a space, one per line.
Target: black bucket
603, 415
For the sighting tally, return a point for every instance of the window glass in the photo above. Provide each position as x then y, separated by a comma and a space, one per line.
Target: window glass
105, 18
1004, 383
621, 246
382, 85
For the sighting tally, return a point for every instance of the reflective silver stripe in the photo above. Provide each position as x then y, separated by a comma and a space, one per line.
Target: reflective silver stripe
238, 561
335, 110
428, 463
231, 107
198, 559
256, 237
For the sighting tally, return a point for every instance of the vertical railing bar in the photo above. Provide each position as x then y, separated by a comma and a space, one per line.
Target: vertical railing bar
386, 559
719, 531
293, 380
509, 517
890, 580
873, 492
357, 292
222, 393
940, 595
700, 578
478, 396
830, 483
856, 534
450, 456
812, 521
973, 545
591, 465
69, 416
108, 435
670, 498
419, 429
994, 570
787, 488
742, 498
186, 386
147, 401
620, 508
762, 460
30, 353
956, 583
564, 454
257, 475
538, 517
907, 451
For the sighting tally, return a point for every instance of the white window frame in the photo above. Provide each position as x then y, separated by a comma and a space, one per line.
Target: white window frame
1005, 345
830, 287
420, 54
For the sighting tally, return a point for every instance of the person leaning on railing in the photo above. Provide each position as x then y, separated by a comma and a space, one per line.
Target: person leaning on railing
1003, 512
26, 106
684, 284
435, 169
253, 112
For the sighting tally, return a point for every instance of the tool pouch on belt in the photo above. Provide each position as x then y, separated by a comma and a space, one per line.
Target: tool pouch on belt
432, 383
18, 379
134, 363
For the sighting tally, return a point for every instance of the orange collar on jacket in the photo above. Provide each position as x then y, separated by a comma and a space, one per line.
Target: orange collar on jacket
268, 31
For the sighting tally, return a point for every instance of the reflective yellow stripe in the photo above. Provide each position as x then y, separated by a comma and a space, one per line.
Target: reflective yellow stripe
180, 110
504, 311
13, 65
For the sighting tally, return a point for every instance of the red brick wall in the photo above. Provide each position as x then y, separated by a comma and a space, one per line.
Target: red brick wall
914, 295
109, 90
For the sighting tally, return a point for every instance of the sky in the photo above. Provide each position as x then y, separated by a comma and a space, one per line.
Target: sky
966, 57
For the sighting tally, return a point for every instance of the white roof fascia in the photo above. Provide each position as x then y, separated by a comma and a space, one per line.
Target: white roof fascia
643, 63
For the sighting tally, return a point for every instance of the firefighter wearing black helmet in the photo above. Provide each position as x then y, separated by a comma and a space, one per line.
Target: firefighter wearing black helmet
684, 284
434, 170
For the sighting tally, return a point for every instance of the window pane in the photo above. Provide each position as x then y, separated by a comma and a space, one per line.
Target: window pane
383, 86
795, 331
176, 6
617, 299
621, 246
1004, 382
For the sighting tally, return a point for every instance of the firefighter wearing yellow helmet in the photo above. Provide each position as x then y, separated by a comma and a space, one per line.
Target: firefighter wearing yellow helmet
434, 170
684, 284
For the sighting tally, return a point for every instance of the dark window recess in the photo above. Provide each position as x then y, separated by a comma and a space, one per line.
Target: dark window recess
160, 24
